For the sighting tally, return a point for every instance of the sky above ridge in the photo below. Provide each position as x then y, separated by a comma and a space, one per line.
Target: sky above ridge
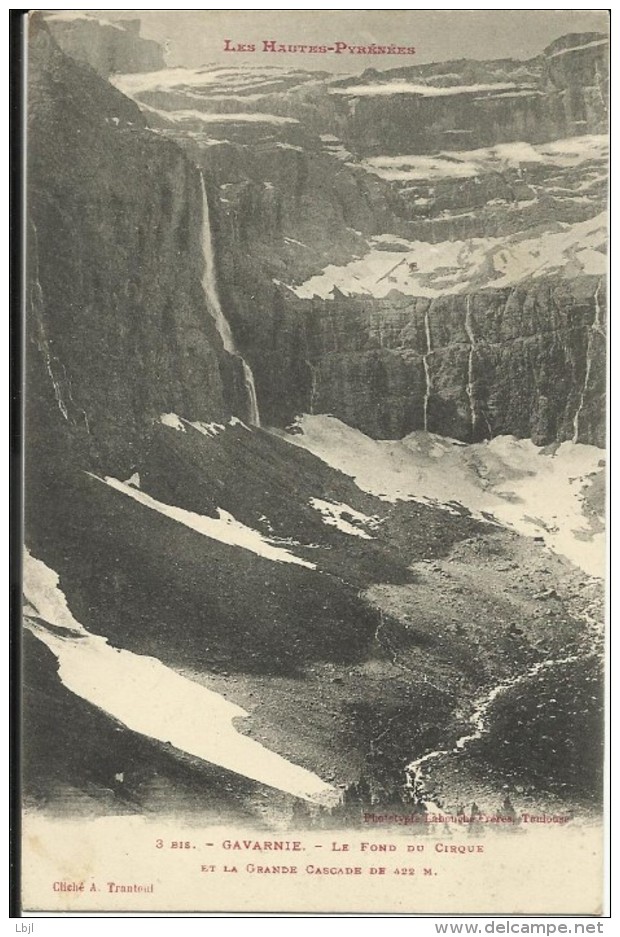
196, 37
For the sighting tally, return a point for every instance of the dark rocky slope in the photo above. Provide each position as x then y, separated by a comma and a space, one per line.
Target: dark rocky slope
347, 682
350, 669
118, 327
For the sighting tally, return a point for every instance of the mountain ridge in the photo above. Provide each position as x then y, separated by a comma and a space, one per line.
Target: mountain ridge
374, 645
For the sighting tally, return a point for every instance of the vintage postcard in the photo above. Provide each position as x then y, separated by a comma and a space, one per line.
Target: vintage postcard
315, 427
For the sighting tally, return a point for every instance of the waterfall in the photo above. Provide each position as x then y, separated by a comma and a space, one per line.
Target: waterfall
595, 327
250, 388
379, 325
37, 302
582, 394
429, 348
313, 387
599, 87
209, 286
470, 365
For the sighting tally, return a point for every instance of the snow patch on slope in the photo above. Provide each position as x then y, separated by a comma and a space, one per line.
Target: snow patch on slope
342, 516
454, 266
176, 422
565, 153
425, 91
185, 116
224, 528
173, 421
586, 45
207, 429
152, 699
43, 598
182, 79
532, 490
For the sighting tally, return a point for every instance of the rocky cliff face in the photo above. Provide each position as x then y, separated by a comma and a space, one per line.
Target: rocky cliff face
458, 105
575, 78
465, 105
105, 46
513, 361
382, 237
422, 248
119, 330
443, 292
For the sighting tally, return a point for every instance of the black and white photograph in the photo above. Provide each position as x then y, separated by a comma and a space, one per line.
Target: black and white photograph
314, 404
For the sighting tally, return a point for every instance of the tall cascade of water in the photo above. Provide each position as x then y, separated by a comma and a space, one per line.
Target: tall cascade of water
38, 306
209, 286
313, 385
470, 365
427, 374
595, 327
